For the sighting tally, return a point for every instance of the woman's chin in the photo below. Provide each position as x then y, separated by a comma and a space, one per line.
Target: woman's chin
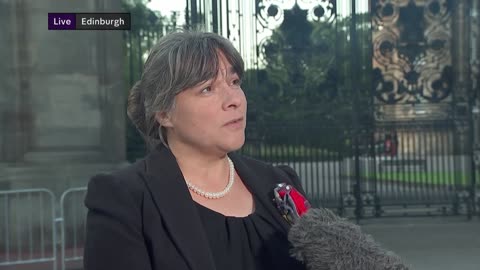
235, 145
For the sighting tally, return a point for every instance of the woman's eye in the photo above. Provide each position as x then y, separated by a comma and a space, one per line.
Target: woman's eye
237, 82
206, 90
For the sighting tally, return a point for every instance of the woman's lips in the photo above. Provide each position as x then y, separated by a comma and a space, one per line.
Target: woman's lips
237, 123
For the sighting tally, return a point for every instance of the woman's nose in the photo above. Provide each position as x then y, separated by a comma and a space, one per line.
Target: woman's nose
234, 96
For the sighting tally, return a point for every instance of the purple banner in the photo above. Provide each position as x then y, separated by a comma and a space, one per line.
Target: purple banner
61, 21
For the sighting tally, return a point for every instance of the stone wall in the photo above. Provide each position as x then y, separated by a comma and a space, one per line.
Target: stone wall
62, 96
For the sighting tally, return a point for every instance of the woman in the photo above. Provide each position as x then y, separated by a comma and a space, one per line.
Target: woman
190, 203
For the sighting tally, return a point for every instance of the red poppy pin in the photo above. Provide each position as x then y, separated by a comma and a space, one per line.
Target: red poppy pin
291, 203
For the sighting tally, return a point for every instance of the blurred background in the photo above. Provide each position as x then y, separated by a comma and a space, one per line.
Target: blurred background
375, 103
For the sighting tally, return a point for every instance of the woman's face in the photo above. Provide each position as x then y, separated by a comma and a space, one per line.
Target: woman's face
210, 116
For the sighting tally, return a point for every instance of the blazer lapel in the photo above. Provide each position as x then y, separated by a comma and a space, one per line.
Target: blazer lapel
170, 193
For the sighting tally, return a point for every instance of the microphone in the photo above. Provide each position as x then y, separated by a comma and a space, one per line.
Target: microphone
324, 241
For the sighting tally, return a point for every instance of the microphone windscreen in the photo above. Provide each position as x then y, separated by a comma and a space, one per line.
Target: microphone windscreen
325, 241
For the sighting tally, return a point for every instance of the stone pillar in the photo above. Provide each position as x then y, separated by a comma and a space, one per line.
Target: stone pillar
475, 60
15, 113
461, 54
475, 16
111, 72
461, 65
463, 95
6, 72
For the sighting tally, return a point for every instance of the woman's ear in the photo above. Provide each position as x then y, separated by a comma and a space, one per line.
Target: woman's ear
163, 118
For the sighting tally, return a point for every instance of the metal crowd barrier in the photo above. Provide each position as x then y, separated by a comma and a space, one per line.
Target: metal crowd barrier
27, 227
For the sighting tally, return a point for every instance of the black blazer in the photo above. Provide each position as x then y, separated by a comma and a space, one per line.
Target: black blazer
143, 217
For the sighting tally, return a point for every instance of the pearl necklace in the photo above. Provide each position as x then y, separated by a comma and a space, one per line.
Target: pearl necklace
216, 195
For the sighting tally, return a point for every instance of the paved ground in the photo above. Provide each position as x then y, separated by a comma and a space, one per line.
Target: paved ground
431, 243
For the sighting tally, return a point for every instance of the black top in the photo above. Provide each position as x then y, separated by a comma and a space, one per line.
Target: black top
250, 242
142, 217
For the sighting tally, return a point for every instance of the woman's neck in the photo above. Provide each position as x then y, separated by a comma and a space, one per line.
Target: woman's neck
204, 169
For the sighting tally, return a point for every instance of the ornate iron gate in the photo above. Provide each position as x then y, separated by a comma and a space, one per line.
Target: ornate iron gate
370, 101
